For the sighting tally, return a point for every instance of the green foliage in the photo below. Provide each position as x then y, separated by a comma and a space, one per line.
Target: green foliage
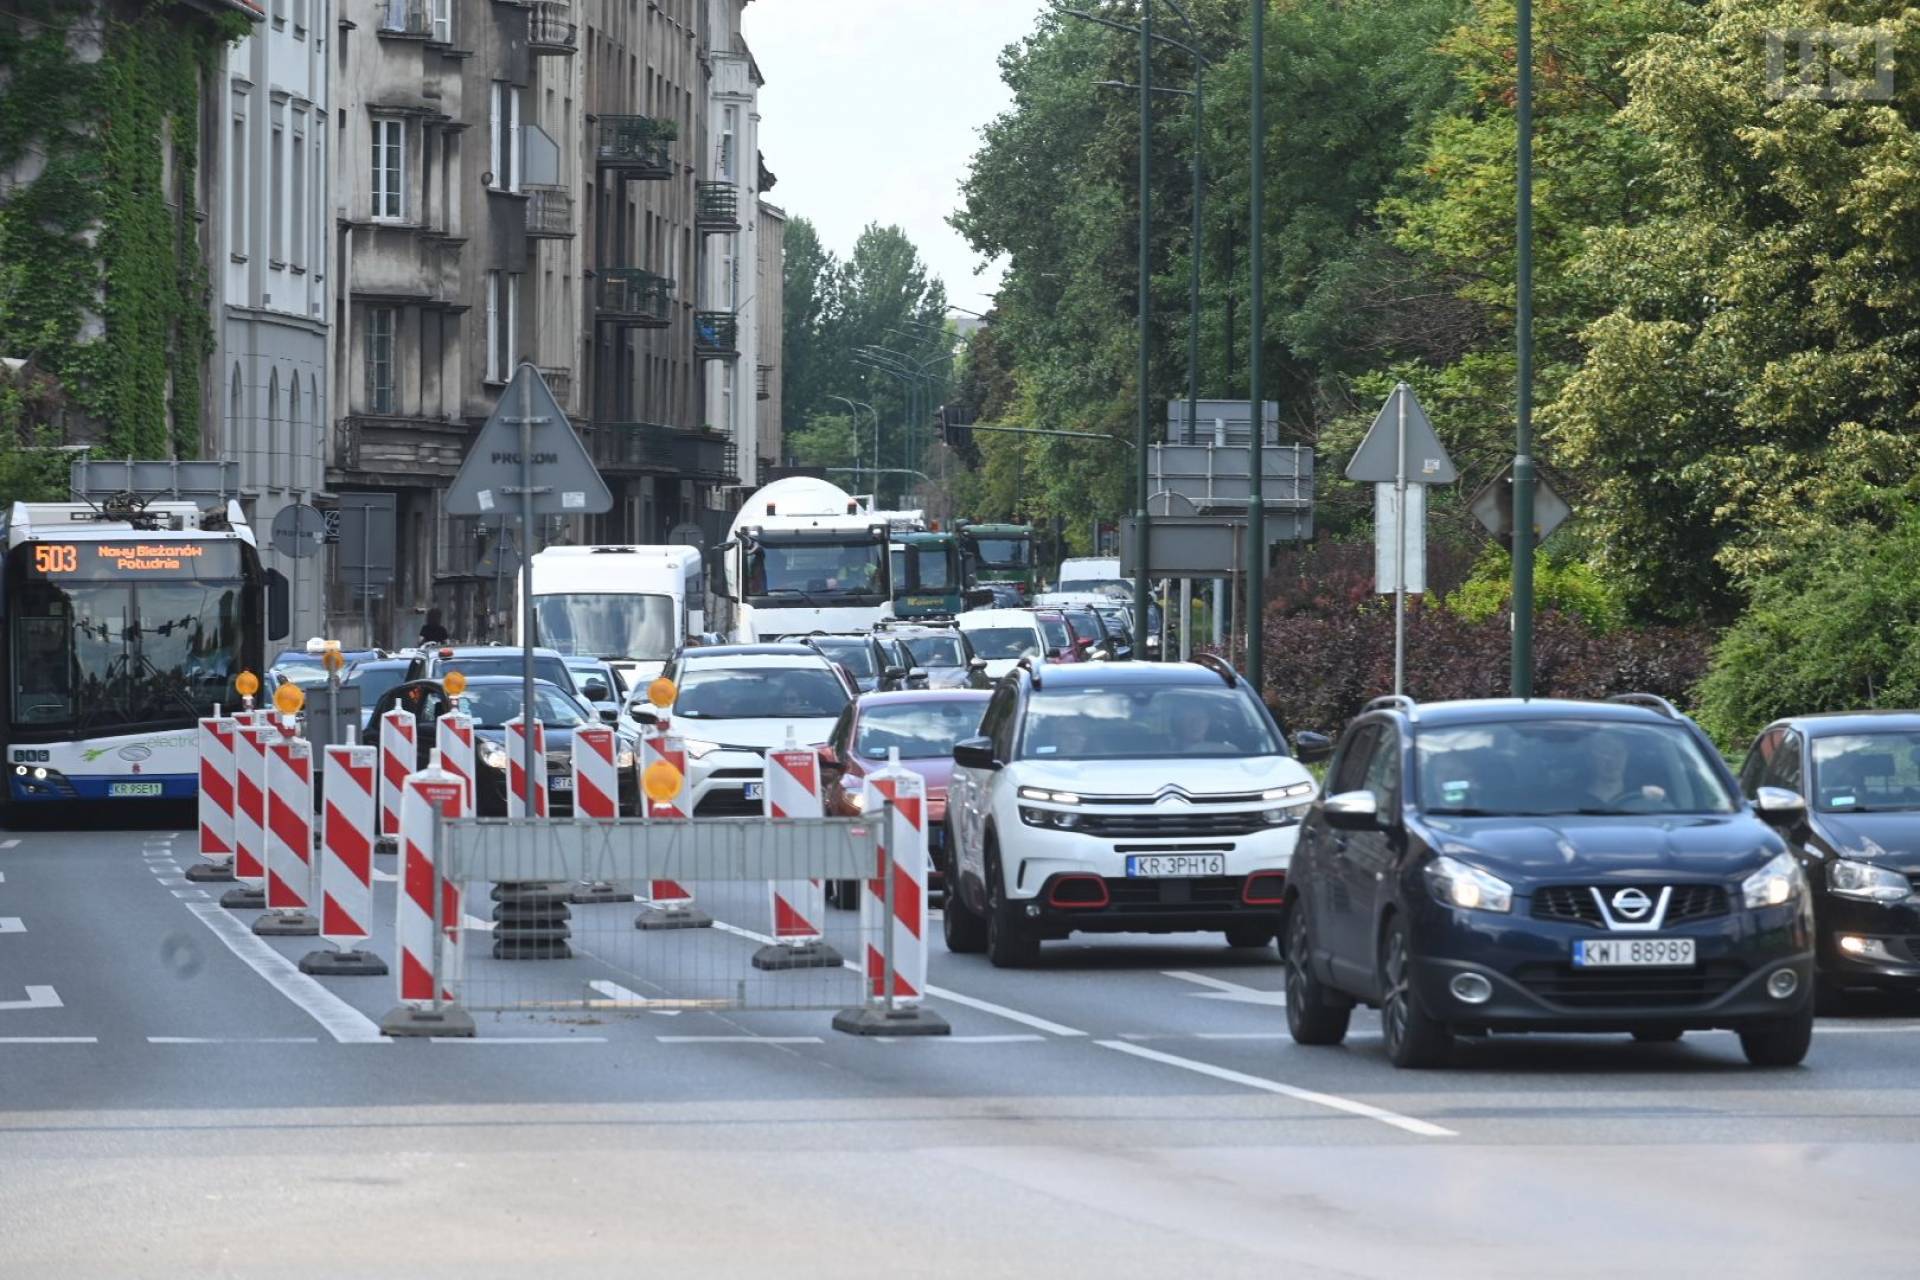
1836, 626
827, 440
1561, 584
101, 278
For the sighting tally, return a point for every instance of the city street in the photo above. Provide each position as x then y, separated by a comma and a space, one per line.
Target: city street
179, 1099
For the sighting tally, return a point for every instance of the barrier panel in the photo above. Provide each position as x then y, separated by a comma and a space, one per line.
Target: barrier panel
453, 736
663, 794
798, 908
216, 799
249, 816
346, 863
289, 836
516, 747
615, 968
894, 899
596, 797
427, 924
399, 757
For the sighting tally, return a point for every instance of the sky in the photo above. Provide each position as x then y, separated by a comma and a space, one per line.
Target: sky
872, 109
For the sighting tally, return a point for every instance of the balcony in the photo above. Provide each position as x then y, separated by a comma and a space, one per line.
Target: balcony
716, 335
406, 18
549, 33
653, 447
635, 146
704, 455
549, 213
717, 206
763, 382
633, 298
560, 382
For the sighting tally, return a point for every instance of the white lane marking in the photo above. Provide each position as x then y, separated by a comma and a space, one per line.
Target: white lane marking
628, 996
233, 1039
746, 1039
190, 893
3, 875
1016, 1038
1332, 1101
174, 882
1241, 1035
9, 844
984, 1006
336, 1017
37, 998
390, 878
49, 1039
518, 1040
1237, 992
12, 924
1891, 1029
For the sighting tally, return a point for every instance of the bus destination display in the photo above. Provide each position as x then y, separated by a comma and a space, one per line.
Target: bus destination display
128, 559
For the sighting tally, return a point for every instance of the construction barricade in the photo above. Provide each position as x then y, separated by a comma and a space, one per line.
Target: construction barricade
663, 797
399, 757
249, 814
289, 839
427, 923
596, 797
345, 889
453, 736
216, 800
798, 908
893, 908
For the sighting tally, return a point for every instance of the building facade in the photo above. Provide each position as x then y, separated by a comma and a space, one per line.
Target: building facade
770, 296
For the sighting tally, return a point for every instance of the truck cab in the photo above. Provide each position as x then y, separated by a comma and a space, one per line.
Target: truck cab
998, 553
926, 575
802, 556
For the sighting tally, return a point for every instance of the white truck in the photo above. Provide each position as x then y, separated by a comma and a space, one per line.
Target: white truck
629, 605
803, 555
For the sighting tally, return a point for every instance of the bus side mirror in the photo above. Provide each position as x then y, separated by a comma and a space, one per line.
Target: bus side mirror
279, 623
716, 558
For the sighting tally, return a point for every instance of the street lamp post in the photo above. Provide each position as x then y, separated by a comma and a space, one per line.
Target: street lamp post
1257, 500
1523, 422
1143, 522
853, 407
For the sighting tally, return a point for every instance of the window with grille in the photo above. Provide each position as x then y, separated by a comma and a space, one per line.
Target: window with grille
381, 396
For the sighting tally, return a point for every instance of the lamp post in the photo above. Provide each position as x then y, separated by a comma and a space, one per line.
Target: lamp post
904, 365
853, 407
1523, 324
1257, 499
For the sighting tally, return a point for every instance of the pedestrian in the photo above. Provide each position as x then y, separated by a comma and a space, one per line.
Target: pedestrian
433, 631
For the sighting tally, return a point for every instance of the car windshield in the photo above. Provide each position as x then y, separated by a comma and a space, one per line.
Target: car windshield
935, 651
922, 731
1134, 721
492, 705
307, 677
759, 693
1005, 642
855, 655
1105, 586
1055, 628
623, 625
1866, 772
1549, 767
508, 663
298, 658
585, 673
374, 681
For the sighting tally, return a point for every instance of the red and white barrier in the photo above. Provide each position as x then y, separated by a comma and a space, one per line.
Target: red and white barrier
792, 790
670, 905
250, 804
658, 748
423, 884
596, 776
903, 860
344, 888
516, 744
453, 735
216, 788
399, 757
289, 838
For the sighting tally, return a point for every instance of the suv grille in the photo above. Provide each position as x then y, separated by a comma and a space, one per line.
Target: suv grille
1576, 902
1136, 893
1572, 988
1165, 824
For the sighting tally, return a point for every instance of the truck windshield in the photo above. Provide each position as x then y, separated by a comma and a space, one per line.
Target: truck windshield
802, 571
609, 625
933, 570
1003, 553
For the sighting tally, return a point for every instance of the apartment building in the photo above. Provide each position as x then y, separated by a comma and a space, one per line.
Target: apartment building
770, 295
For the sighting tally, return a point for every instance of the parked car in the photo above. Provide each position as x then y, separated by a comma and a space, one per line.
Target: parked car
1545, 865
1857, 837
863, 658
944, 653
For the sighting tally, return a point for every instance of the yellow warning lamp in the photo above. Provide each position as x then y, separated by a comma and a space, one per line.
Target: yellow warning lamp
246, 684
332, 659
288, 699
454, 682
661, 692
661, 782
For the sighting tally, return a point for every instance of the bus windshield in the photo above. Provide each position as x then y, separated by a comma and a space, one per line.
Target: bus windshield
99, 654
612, 625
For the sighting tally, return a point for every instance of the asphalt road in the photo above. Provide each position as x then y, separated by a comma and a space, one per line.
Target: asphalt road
176, 1100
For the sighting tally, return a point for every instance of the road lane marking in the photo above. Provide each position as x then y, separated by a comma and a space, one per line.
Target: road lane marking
9, 844
742, 1039
37, 998
984, 1006
336, 1017
3, 877
626, 996
476, 924
1238, 993
1332, 1101
1022, 1037
12, 924
190, 893
233, 1039
49, 1039
517, 1040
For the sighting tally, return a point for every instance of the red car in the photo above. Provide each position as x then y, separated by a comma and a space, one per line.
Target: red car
924, 724
1060, 637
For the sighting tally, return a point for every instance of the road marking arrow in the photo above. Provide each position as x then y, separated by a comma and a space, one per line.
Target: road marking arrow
37, 998
1235, 992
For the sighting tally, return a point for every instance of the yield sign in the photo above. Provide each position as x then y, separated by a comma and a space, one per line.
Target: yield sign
563, 477
1377, 460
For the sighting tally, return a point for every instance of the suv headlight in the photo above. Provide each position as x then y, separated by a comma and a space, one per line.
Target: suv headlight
1850, 878
1294, 801
625, 759
492, 754
1780, 881
1457, 884
698, 747
1049, 818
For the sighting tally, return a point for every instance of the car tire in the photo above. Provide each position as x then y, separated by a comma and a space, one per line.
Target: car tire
1250, 935
1315, 1016
1658, 1035
843, 895
1781, 1043
1415, 1038
965, 932
1010, 943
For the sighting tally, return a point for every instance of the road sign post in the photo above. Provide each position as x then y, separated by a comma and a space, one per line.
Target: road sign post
1401, 449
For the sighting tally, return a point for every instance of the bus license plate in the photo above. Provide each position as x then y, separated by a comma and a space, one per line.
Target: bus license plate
753, 790
1159, 866
1636, 953
134, 789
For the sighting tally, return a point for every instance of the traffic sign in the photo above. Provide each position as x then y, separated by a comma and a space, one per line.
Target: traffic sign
1493, 507
1377, 460
299, 530
564, 480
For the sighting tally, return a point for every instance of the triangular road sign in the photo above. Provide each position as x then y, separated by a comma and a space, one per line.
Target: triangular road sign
565, 481
1376, 461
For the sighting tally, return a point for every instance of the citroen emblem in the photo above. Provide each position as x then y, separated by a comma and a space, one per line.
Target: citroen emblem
1631, 903
1171, 795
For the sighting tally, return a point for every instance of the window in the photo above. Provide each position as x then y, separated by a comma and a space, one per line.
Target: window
279, 13
294, 438
389, 169
277, 193
236, 403
380, 389
1783, 768
503, 324
298, 201
443, 21
299, 19
505, 135
237, 178
272, 469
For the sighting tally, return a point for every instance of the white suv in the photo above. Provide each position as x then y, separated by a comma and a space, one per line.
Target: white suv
1002, 637
733, 703
1121, 797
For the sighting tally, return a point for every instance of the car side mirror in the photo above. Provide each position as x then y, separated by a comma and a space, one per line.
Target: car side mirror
896, 673
1353, 811
1779, 806
830, 761
610, 715
975, 753
976, 664
595, 691
646, 715
916, 677
1311, 747
1084, 644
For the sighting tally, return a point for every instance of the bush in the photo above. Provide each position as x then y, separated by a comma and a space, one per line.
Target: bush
1561, 584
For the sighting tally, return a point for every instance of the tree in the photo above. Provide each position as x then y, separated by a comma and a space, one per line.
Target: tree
811, 298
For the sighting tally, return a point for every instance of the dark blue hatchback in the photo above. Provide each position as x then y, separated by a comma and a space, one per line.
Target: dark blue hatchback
1544, 865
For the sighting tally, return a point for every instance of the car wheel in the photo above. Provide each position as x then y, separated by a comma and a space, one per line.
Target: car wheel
1250, 935
1010, 943
843, 895
1658, 1035
1314, 1014
1414, 1037
965, 932
1781, 1043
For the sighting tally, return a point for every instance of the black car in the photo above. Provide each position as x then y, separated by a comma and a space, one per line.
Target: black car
492, 660
1544, 865
1857, 835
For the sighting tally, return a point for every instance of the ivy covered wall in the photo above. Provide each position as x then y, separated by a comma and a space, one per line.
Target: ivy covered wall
103, 285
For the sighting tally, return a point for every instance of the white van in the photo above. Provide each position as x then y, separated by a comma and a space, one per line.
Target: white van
631, 605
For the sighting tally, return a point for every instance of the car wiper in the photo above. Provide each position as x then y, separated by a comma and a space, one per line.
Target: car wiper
1586, 813
1471, 813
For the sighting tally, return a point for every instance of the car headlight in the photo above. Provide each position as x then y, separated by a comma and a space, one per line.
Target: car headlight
857, 799
492, 754
1457, 884
1048, 818
1849, 878
1295, 801
1778, 882
698, 747
1055, 797
626, 759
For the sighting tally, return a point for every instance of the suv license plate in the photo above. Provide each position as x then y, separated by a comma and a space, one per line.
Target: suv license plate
1636, 953
753, 790
1157, 866
559, 782
134, 789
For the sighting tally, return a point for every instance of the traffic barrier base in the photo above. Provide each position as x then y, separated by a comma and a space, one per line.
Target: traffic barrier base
816, 954
244, 899
448, 1020
590, 893
672, 913
343, 964
211, 872
901, 1020
287, 924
